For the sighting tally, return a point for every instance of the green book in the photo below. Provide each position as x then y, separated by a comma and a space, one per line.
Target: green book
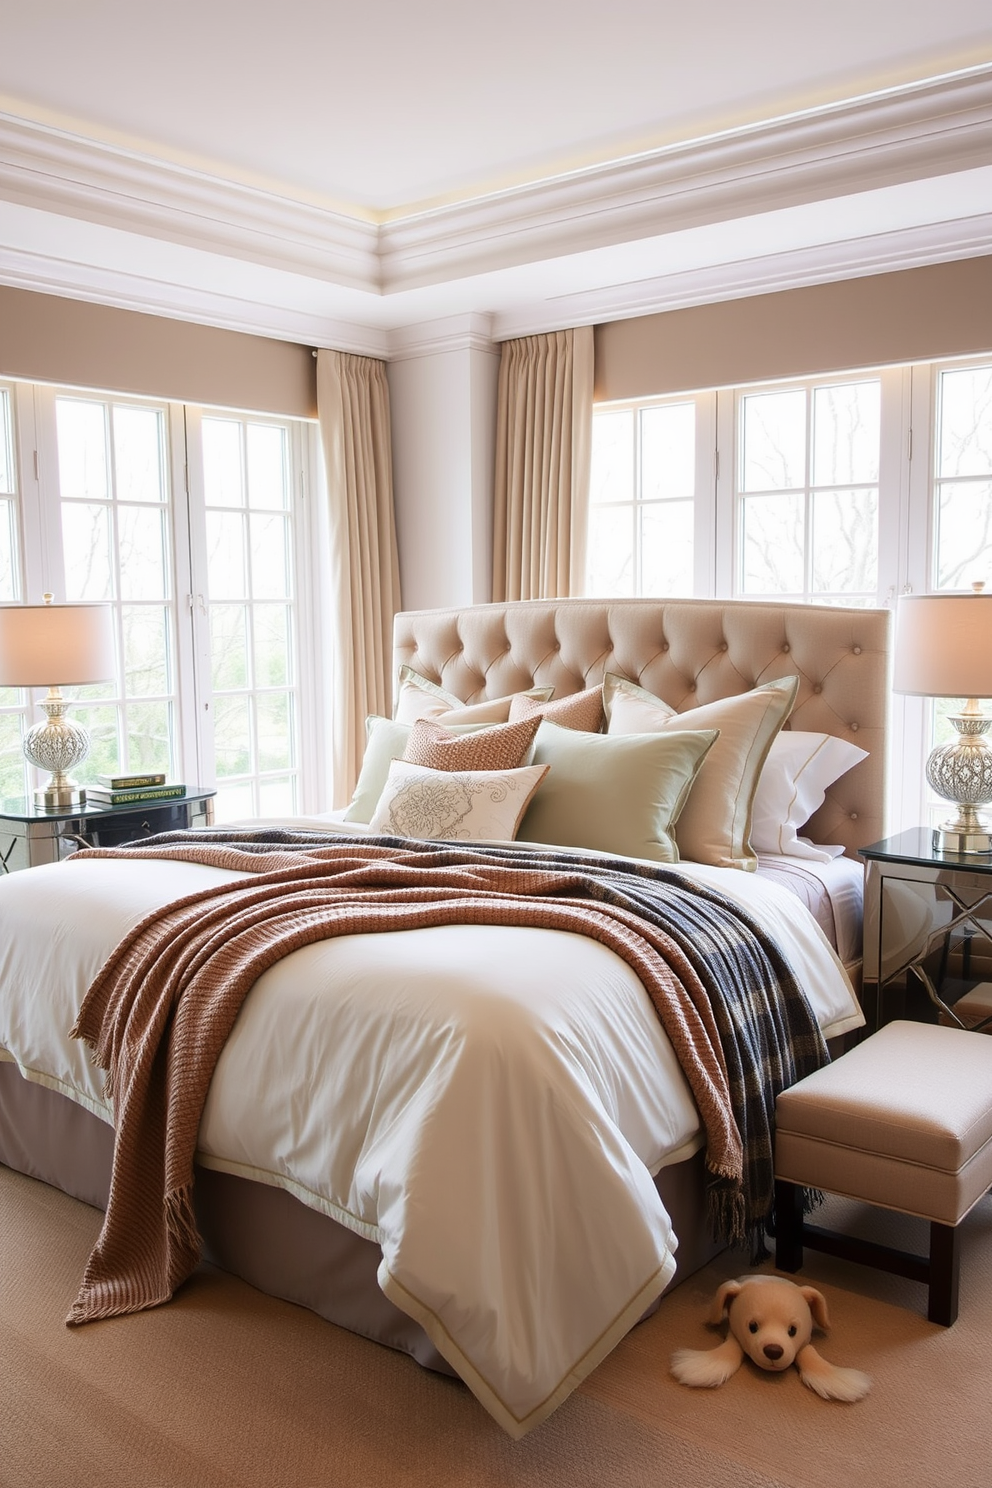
128, 782
125, 797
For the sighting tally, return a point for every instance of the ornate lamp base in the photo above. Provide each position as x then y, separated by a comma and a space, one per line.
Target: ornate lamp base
962, 772
58, 745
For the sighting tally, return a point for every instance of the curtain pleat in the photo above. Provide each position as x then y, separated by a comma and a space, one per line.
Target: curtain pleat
353, 408
543, 453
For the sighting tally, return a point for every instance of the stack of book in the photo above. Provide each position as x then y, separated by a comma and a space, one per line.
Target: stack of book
121, 790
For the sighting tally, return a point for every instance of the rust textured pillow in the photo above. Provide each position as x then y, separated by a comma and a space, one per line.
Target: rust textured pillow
502, 747
582, 711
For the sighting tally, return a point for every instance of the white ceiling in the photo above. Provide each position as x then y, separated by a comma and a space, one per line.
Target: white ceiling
353, 176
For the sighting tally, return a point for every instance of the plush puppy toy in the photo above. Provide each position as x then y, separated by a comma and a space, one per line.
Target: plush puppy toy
771, 1320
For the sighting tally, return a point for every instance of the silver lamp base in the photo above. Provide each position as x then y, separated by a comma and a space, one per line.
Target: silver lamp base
57, 745
961, 772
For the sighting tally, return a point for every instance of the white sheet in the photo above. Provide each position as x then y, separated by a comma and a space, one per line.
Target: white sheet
486, 1103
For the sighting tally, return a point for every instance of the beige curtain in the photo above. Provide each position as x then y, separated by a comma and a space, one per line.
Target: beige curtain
353, 408
543, 450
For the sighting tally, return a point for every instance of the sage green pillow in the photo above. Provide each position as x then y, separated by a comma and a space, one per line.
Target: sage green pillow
614, 793
386, 739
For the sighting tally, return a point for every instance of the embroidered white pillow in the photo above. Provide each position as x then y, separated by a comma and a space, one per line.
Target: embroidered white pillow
459, 805
419, 697
792, 785
715, 823
386, 740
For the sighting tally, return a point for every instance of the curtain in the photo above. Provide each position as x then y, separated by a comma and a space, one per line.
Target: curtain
353, 409
543, 452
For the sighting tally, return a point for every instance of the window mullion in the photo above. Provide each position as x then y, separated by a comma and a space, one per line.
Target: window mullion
727, 504
194, 619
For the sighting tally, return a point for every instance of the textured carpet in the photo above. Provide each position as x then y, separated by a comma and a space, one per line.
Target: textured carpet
228, 1387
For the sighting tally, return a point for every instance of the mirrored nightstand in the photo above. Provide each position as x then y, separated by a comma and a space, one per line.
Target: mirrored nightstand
29, 836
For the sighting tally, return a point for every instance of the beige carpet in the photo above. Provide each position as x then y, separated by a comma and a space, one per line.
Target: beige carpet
227, 1387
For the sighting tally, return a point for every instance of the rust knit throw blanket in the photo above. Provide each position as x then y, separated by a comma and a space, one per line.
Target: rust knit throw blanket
159, 1012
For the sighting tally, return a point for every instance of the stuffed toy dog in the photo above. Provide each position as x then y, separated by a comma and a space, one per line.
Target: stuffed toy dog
771, 1320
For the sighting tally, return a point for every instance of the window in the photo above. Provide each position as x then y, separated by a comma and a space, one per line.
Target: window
962, 504
193, 525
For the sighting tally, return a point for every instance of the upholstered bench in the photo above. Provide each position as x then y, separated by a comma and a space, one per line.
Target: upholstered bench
904, 1121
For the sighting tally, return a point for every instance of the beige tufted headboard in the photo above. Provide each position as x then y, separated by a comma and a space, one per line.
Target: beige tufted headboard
687, 652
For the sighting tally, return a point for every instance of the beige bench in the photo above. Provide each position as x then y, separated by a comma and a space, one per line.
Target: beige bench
904, 1121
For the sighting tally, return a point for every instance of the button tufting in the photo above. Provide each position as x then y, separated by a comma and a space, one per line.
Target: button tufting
854, 816
664, 645
786, 647
854, 728
857, 650
817, 689
723, 646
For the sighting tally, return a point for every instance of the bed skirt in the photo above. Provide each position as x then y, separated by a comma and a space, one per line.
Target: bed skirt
265, 1235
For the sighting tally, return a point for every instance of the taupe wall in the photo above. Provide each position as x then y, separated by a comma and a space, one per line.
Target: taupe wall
914, 315
45, 338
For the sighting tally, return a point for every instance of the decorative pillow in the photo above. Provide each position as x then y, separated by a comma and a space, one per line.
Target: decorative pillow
792, 785
460, 805
579, 710
418, 697
503, 746
620, 795
386, 741
715, 824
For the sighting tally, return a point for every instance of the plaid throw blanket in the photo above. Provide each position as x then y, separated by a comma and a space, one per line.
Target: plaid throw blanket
160, 1010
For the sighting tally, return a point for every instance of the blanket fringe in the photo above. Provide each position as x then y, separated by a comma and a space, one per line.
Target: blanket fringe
181, 1223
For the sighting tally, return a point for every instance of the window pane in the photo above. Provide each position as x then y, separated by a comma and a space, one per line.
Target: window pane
232, 736
965, 439
277, 798
666, 548
146, 650
6, 445
668, 452
774, 438
149, 737
141, 534
105, 754
269, 557
611, 551
232, 802
964, 534
773, 545
12, 769
267, 484
612, 477
229, 646
222, 479
272, 653
82, 440
226, 556
138, 454
275, 731
845, 541
846, 434
86, 546
8, 572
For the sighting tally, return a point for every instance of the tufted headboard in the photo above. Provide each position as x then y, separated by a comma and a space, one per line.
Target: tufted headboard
687, 652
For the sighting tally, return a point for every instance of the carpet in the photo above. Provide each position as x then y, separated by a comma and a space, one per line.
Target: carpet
228, 1388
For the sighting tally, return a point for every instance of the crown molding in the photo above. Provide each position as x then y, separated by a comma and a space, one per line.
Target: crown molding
471, 332
909, 133
906, 133
909, 248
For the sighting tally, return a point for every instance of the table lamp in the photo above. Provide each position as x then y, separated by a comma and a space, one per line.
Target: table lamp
75, 643
944, 649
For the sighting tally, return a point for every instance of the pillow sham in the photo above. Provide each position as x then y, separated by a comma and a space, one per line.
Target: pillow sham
715, 824
792, 785
459, 805
386, 739
578, 710
501, 746
418, 697
619, 794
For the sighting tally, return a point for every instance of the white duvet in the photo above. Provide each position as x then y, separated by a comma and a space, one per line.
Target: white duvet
488, 1104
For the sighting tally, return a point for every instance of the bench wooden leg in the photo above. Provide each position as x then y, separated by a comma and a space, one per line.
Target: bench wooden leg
945, 1268
788, 1225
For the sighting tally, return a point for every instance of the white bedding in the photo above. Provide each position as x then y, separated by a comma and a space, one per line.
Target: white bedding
488, 1104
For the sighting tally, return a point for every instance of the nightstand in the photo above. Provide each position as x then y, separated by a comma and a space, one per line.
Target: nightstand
29, 835
927, 933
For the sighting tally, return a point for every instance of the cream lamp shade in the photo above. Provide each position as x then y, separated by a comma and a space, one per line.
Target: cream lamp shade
944, 649
50, 646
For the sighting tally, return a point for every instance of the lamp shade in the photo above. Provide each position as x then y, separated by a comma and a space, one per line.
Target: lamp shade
55, 645
944, 645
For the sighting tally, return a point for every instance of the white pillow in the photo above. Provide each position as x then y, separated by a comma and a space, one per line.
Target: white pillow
460, 805
792, 785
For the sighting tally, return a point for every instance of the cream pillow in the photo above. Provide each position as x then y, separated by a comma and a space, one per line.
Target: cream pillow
386, 740
792, 785
715, 824
617, 795
418, 697
459, 805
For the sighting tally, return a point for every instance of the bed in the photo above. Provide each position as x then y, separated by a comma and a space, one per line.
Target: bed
350, 1248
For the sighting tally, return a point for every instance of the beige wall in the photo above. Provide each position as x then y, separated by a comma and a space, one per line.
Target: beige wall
45, 338
914, 315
